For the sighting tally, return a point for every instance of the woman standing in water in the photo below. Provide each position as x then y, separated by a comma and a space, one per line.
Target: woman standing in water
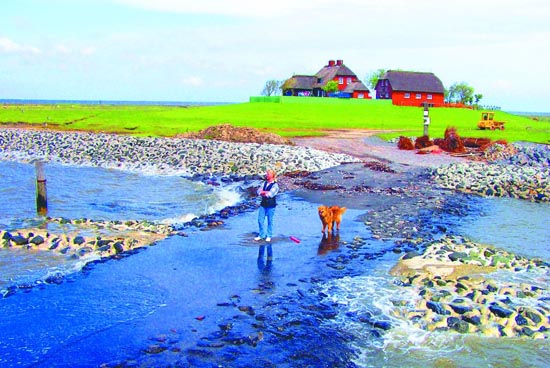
268, 191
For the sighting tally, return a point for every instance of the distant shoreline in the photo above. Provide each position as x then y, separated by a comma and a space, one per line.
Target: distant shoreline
5, 101
22, 101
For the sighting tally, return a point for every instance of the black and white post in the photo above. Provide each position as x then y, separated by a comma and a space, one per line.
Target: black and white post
426, 120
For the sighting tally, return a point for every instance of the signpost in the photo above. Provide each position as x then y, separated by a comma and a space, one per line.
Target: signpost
426, 119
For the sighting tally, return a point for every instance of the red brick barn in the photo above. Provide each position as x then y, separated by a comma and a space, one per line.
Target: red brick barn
410, 88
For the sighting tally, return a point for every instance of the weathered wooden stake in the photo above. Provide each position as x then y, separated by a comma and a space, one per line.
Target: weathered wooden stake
41, 196
426, 120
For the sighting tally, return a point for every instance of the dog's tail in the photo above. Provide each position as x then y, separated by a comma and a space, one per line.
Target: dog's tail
341, 210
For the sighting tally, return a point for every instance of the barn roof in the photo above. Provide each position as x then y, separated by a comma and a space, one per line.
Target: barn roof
413, 81
356, 86
329, 72
301, 82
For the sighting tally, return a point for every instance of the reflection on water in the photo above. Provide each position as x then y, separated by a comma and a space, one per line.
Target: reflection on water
265, 259
328, 243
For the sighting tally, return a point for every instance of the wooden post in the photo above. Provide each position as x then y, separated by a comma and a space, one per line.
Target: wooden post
41, 196
426, 119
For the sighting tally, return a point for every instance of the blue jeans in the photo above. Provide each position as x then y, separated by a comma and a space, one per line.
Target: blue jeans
262, 214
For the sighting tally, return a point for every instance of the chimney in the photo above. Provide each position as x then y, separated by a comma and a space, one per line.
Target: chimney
339, 62
331, 63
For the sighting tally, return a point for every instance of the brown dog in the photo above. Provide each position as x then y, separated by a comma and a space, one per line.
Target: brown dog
331, 215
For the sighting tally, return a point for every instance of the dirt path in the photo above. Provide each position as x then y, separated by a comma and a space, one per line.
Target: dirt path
364, 145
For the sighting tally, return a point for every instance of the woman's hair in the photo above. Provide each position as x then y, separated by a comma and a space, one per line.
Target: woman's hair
272, 172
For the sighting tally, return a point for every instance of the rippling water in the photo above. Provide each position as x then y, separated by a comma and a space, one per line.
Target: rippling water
148, 293
518, 226
100, 194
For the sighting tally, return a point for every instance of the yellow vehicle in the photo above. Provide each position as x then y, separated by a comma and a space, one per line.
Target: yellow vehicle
488, 122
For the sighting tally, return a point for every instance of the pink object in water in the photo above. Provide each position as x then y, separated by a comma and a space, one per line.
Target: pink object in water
294, 239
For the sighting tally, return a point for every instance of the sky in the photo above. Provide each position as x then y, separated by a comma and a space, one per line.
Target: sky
226, 50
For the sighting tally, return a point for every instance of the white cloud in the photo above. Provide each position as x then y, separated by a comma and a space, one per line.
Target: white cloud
62, 49
193, 81
87, 51
244, 8
9, 46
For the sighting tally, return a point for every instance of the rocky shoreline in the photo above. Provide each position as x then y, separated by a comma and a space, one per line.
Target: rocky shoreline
455, 290
523, 173
446, 300
162, 155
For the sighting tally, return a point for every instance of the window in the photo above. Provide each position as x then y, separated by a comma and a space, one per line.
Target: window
360, 95
418, 96
349, 80
407, 95
429, 97
341, 80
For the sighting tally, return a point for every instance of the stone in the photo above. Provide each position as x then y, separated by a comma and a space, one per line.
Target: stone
437, 307
458, 325
474, 320
79, 240
117, 247
460, 309
521, 321
526, 331
499, 311
55, 243
19, 240
36, 240
533, 316
458, 256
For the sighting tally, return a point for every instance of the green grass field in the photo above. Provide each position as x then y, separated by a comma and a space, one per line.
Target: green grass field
290, 117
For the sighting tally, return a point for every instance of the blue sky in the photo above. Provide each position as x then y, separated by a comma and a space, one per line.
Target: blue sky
225, 51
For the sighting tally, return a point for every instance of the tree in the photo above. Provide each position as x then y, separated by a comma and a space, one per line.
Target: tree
331, 86
461, 93
373, 77
478, 98
272, 88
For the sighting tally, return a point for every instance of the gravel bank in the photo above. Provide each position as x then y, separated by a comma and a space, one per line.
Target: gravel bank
164, 155
523, 175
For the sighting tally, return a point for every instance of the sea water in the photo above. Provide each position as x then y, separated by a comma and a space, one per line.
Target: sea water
76, 192
517, 226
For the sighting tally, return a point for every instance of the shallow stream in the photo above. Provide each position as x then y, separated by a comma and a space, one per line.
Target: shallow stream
214, 298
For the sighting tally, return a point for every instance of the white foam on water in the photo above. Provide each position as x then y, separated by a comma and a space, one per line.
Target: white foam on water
146, 169
218, 199
378, 298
